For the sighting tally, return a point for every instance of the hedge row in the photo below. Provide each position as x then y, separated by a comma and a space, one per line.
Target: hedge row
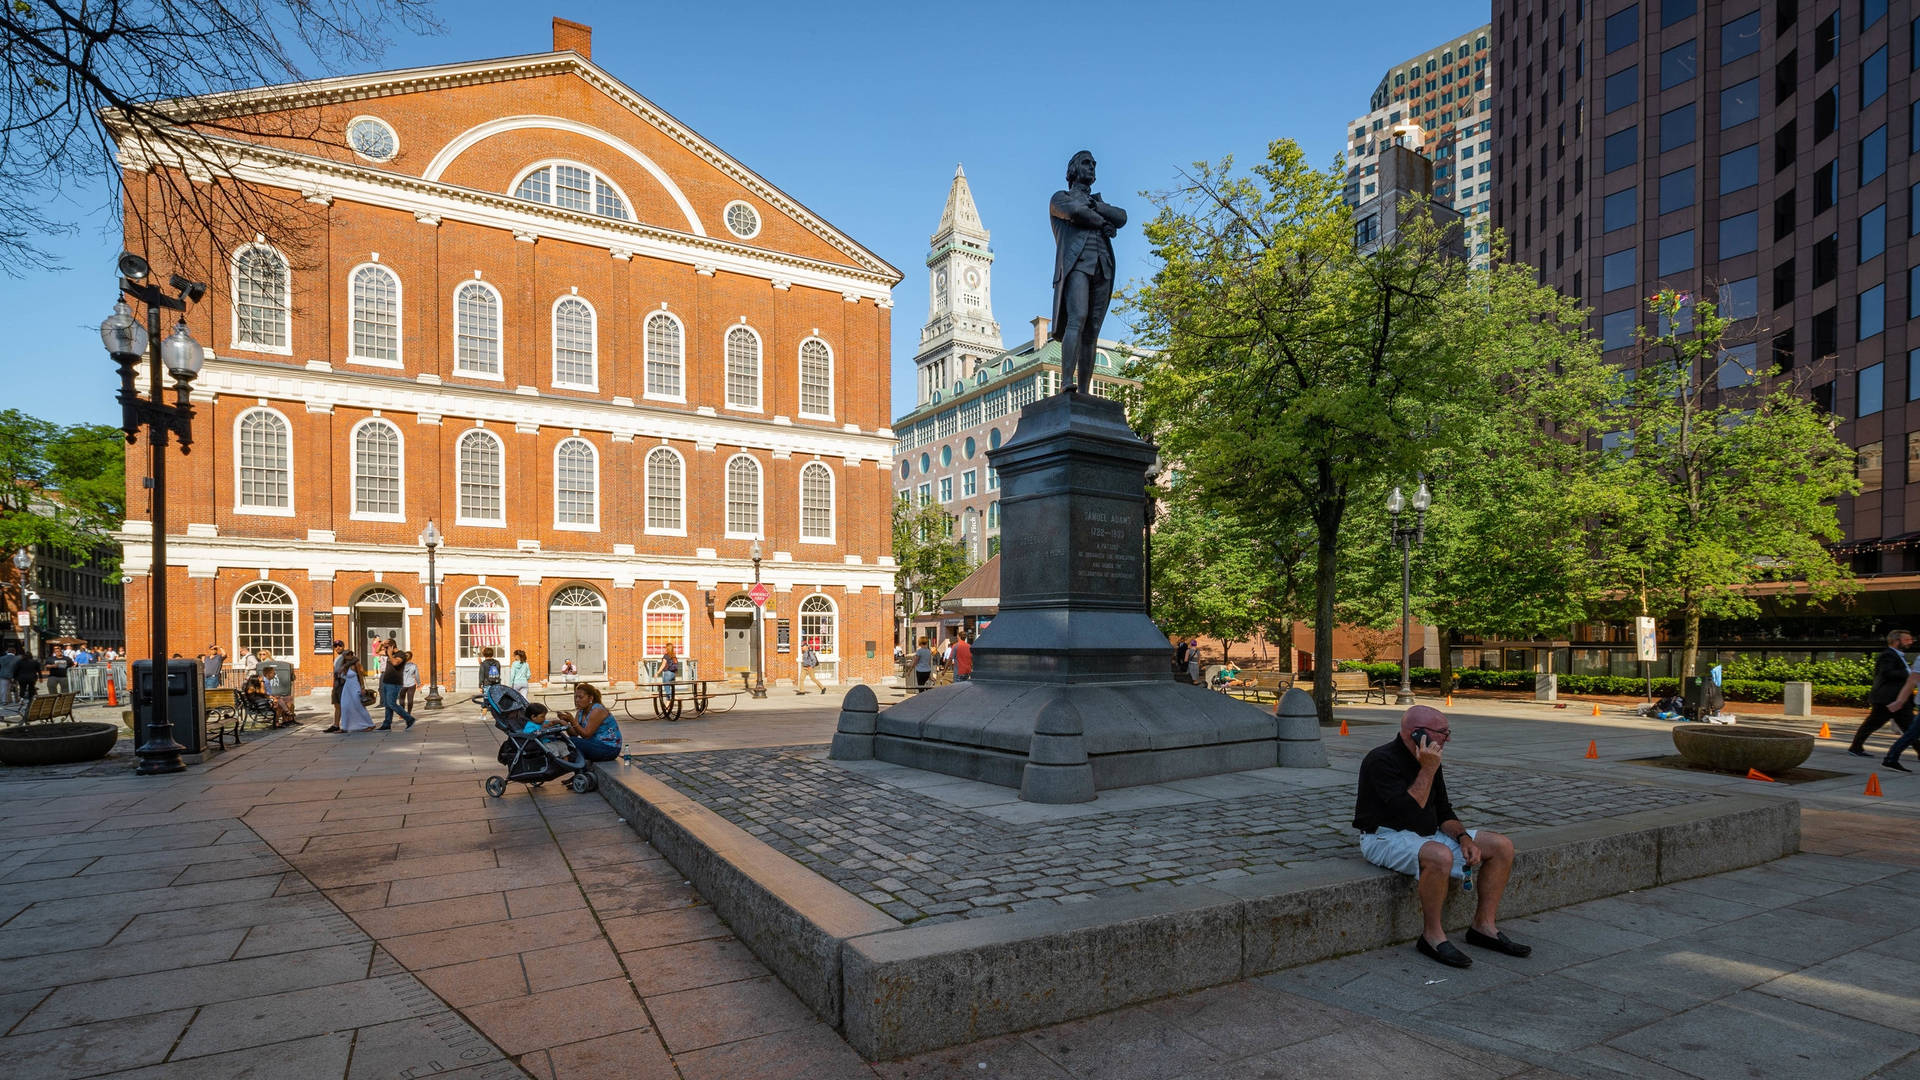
1824, 693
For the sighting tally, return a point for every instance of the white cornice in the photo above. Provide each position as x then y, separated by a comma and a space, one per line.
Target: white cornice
455, 404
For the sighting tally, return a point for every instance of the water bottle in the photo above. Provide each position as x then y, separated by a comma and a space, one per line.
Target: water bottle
1466, 878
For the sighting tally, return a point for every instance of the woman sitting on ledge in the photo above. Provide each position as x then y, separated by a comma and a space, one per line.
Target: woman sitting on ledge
591, 727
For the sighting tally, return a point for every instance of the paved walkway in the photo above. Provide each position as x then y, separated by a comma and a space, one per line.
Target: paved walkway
352, 906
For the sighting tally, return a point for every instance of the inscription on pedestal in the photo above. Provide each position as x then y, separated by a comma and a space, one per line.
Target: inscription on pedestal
1106, 537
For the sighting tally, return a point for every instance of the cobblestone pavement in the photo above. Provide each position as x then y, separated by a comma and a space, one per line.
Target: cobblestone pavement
919, 858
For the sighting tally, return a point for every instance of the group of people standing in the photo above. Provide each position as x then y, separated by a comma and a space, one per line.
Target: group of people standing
955, 654
353, 700
21, 672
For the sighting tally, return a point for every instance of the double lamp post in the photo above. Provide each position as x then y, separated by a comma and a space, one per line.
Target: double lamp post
1407, 537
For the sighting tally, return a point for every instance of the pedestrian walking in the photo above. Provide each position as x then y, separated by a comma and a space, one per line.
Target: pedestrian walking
8, 660
392, 683
26, 678
923, 662
1890, 673
409, 678
962, 659
520, 674
810, 667
340, 655
353, 707
57, 669
669, 671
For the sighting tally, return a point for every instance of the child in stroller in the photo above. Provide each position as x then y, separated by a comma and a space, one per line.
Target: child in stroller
534, 751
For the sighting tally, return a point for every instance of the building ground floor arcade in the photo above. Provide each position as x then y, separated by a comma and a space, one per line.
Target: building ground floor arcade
608, 615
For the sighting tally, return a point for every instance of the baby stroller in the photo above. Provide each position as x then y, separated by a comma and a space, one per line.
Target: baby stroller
532, 757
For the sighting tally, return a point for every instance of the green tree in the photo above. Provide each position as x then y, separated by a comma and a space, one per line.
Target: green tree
60, 486
1213, 575
1718, 475
1297, 374
929, 561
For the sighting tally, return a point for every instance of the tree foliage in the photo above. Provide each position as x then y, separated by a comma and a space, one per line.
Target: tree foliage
1214, 575
929, 562
60, 486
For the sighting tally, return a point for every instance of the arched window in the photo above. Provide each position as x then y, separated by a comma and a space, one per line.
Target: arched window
743, 369
263, 619
481, 462
576, 485
820, 626
261, 308
476, 329
265, 460
743, 498
665, 624
816, 503
573, 343
665, 358
375, 300
666, 492
480, 622
572, 187
376, 470
816, 378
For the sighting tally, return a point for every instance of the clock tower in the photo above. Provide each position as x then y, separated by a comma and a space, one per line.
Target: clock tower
960, 334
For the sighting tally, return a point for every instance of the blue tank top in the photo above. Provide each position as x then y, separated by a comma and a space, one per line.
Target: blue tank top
608, 733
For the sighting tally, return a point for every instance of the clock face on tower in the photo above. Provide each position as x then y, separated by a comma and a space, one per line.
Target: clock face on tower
972, 278
940, 279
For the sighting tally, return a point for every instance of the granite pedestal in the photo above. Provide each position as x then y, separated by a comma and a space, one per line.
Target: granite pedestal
1072, 690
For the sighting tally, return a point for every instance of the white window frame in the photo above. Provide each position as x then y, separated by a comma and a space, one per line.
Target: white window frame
553, 343
233, 296
399, 318
550, 204
946, 489
502, 652
500, 331
594, 451
292, 659
646, 495
460, 516
353, 470
760, 376
833, 500
646, 352
647, 650
800, 360
830, 654
760, 499
238, 492
759, 220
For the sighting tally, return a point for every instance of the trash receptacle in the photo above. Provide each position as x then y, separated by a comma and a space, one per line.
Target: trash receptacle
184, 702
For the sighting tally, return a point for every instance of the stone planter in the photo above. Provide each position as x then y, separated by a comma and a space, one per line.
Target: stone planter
57, 744
1736, 748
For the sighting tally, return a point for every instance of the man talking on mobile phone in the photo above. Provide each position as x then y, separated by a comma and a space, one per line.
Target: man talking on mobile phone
1407, 825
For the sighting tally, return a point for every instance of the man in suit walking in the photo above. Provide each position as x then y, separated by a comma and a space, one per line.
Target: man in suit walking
1890, 671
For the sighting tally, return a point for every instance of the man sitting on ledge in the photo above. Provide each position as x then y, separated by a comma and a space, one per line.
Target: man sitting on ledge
1407, 825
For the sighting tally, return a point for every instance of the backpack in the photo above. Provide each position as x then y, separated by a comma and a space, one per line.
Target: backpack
489, 672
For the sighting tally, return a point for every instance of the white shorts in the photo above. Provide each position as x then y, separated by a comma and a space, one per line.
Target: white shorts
1399, 850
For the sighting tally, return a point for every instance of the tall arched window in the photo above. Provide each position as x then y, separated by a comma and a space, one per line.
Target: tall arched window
743, 498
816, 503
665, 624
665, 358
376, 470
573, 343
376, 316
820, 625
480, 622
666, 492
476, 329
480, 464
261, 317
265, 461
576, 485
816, 378
263, 619
743, 369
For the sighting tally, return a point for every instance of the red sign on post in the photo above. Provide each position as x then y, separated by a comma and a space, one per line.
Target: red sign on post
758, 594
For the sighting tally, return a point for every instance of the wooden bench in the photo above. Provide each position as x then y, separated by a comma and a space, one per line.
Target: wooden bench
1356, 682
224, 717
45, 709
1262, 685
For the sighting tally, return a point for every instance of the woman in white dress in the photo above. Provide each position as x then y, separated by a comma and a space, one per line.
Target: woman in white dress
353, 715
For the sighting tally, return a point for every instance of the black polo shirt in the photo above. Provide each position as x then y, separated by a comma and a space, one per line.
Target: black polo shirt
1385, 775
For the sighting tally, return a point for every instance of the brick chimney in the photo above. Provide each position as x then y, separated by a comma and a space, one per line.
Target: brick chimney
568, 34
1041, 324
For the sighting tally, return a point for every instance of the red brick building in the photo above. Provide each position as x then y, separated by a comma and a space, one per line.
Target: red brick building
603, 356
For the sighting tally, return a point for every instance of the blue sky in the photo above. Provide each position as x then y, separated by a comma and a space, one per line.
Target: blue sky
861, 110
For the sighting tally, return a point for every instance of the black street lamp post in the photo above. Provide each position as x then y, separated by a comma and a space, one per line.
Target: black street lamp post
759, 689
23, 562
1408, 538
182, 356
431, 538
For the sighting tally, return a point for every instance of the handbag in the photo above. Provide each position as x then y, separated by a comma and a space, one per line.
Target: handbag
367, 698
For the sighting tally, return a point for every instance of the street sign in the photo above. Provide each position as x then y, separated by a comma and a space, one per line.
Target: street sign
1646, 646
758, 594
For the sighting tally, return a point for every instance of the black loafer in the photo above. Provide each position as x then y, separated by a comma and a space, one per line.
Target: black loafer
1501, 944
1445, 952
1857, 752
1896, 765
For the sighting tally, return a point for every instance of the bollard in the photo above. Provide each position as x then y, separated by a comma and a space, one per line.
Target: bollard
859, 720
1297, 732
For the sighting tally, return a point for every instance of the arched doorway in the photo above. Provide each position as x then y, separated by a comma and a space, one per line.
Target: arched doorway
379, 615
738, 633
577, 631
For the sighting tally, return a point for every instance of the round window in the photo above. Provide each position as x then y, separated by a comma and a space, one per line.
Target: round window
906, 469
926, 464
969, 448
372, 139
946, 456
993, 439
743, 221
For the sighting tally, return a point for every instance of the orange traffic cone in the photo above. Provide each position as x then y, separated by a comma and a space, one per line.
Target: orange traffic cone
1449, 701
1593, 750
1596, 708
1873, 784
1756, 774
112, 698
1343, 728
1825, 731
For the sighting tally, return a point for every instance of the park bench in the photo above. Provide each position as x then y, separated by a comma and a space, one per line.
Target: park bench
1356, 682
257, 708
45, 709
224, 718
1262, 685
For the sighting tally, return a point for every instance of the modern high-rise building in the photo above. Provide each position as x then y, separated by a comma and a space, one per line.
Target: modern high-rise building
1754, 150
1438, 104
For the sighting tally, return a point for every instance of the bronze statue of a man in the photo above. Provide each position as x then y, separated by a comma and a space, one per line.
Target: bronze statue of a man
1083, 226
